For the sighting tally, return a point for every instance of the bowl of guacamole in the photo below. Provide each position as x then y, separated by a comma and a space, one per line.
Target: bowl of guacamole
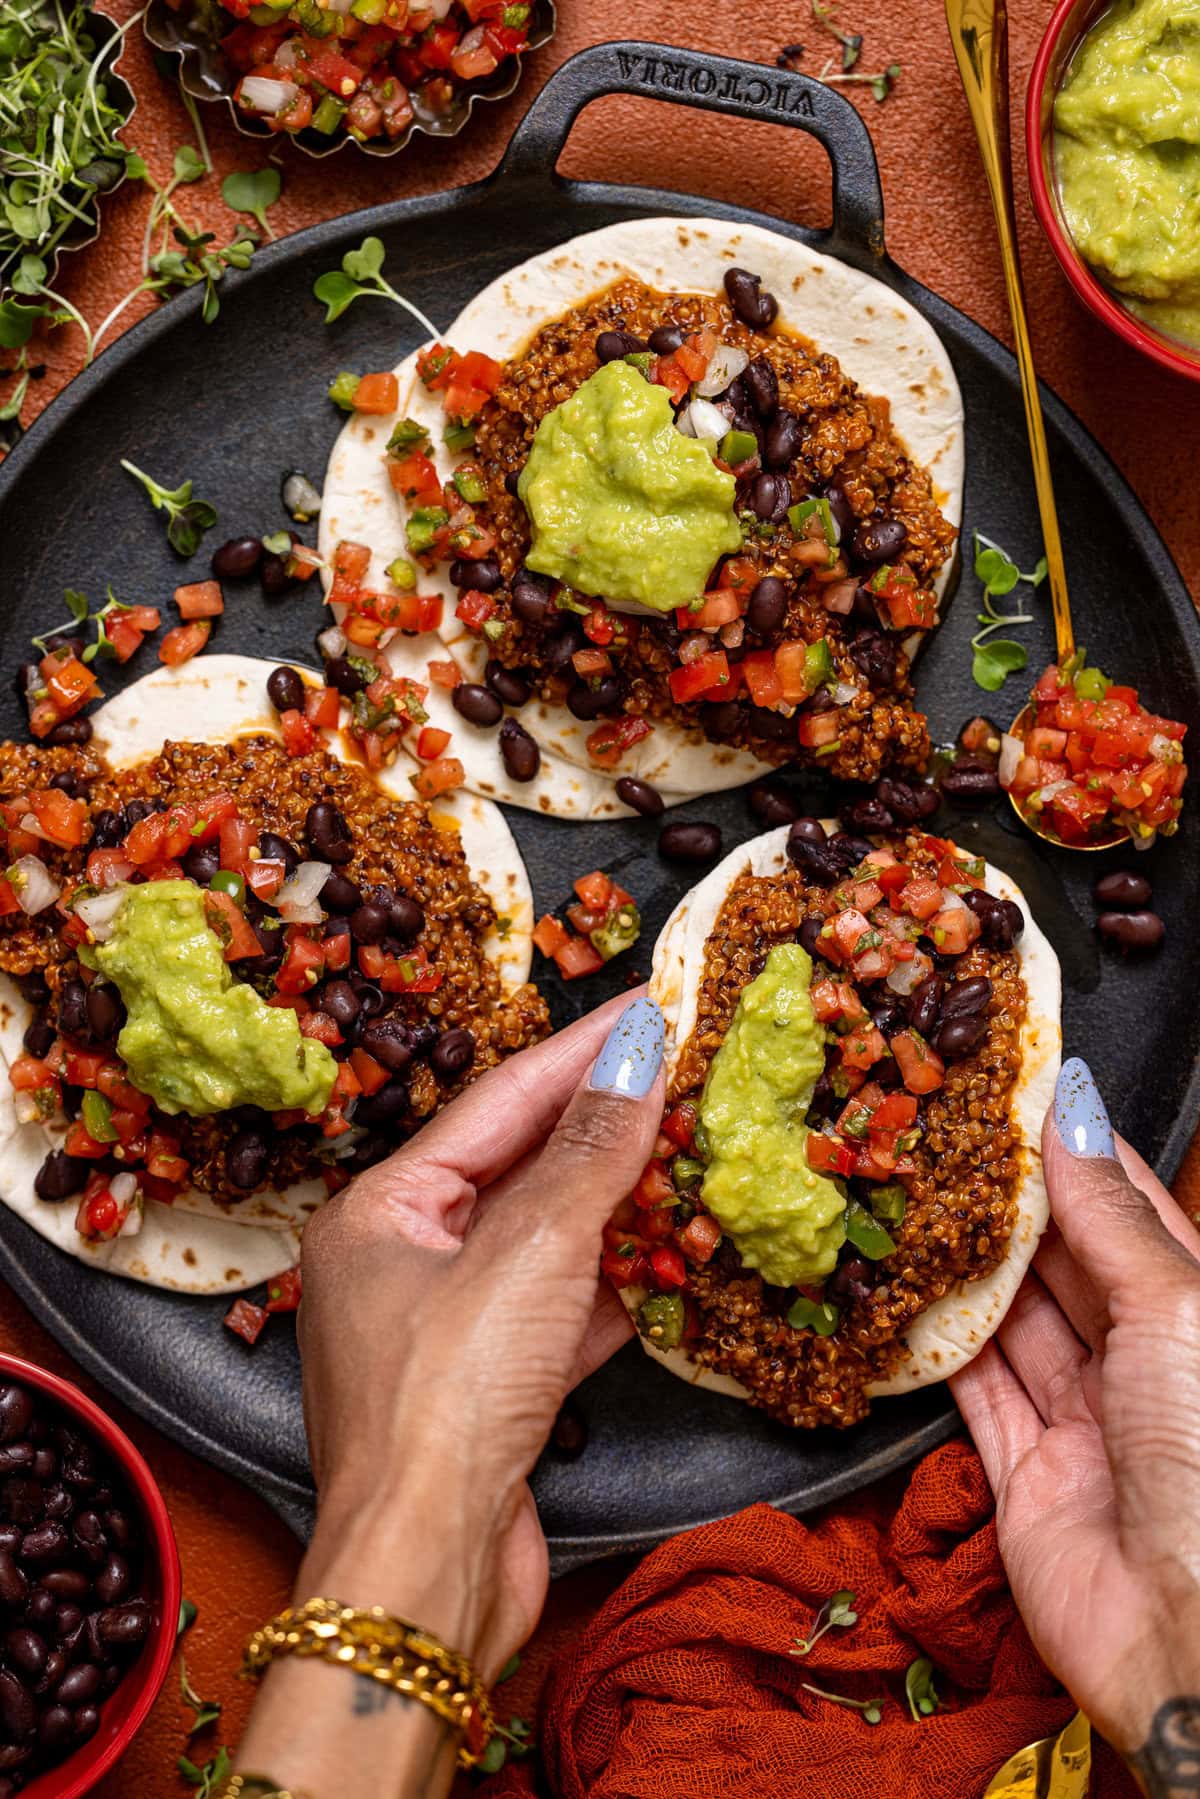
1113, 135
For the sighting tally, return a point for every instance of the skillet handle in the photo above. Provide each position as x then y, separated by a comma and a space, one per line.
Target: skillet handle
712, 84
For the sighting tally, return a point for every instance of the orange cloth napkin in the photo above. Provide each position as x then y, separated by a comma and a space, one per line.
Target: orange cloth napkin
682, 1686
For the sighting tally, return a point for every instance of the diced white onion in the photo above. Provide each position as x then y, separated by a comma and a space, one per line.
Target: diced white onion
726, 365
29, 823
332, 642
1165, 749
289, 54
704, 420
123, 1187
99, 912
952, 902
131, 1224
26, 1107
439, 8
731, 635
297, 898
349, 1140
1011, 751
339, 6
33, 884
1142, 843
1044, 795
908, 975
839, 596
471, 40
843, 692
259, 93
299, 496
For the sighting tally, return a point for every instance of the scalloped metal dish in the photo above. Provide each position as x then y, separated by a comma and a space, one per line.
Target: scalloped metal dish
87, 229
205, 74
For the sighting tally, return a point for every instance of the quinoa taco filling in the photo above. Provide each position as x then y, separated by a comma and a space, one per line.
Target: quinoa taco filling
247, 969
759, 571
854, 1058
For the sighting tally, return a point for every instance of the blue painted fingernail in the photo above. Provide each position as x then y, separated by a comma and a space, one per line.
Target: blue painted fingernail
1079, 1111
632, 1053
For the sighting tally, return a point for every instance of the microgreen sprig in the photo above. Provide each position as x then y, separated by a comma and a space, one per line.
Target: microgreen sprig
187, 519
81, 615
208, 1779
837, 1613
871, 1709
254, 191
207, 1710
851, 41
919, 1689
995, 658
361, 277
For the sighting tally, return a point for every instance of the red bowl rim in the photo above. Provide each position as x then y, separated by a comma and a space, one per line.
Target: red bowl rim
170, 1580
1089, 288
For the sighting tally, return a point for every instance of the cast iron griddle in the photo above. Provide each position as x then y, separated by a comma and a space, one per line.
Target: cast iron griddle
233, 405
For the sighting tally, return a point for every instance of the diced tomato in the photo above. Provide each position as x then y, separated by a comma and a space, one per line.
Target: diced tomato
625, 1271
71, 683
895, 1111
550, 935
322, 707
818, 728
954, 931
439, 776
302, 965
230, 924
415, 478
125, 636
184, 642
654, 1187
1044, 742
666, 371
200, 599
921, 1068
113, 1082
283, 1291
699, 1238
79, 1142
350, 564
1074, 810
237, 837
707, 674
83, 1065
863, 1046
43, 717
598, 626
762, 678
790, 665
587, 663
372, 1075
577, 957
680, 1125
143, 842
979, 734
609, 741
337, 947
921, 898
444, 674
321, 1028
909, 607
668, 1267
105, 868
828, 1155
265, 877
719, 609
377, 393
60, 818
246, 1320
431, 742
29, 1074
299, 738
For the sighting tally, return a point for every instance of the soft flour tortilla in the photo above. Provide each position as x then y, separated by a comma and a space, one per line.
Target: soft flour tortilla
880, 341
954, 1328
215, 699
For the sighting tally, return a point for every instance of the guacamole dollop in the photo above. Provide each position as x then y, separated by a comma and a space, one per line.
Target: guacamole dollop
1127, 151
785, 1220
621, 504
195, 1039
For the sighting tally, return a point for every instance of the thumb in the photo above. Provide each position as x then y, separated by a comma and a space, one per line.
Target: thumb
1123, 1236
595, 1154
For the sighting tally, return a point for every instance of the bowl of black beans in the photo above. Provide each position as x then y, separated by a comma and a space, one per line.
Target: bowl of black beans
89, 1587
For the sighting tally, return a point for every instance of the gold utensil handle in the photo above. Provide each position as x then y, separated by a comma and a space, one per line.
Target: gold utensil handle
979, 33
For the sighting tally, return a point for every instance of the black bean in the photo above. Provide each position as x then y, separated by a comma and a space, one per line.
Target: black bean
78, 1459
512, 482
385, 1107
806, 830
341, 673
56, 1728
369, 922
530, 599
340, 893
112, 1582
664, 340
1002, 919
770, 496
71, 733
40, 1610
596, 699
809, 934
105, 1012
852, 1279
274, 848
762, 387
46, 1542
137, 810
15, 1456
125, 1625
776, 726
79, 1684
39, 1037
694, 841
477, 704
66, 1584
959, 1036
640, 796
748, 300
340, 1001
887, 1016
722, 720
273, 574
612, 345
406, 919
1122, 890
879, 540
924, 1003
772, 802
389, 1040
57, 1502
14, 1585
452, 1054
506, 683
34, 987
10, 1536
482, 574
66, 782
868, 815
907, 803
784, 439
22, 1501
87, 1723
815, 861
971, 783
246, 1159
202, 862
237, 559
72, 1009
1134, 933
562, 646
768, 604
45, 1463
18, 1713
570, 1433
967, 997
841, 509
285, 689
875, 657
328, 833
519, 751
117, 1528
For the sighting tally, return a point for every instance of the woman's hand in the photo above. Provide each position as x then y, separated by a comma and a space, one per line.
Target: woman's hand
1086, 1413
451, 1300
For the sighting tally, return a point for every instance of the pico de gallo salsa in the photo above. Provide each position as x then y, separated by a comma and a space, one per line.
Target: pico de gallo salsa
1090, 761
917, 992
366, 68
604, 920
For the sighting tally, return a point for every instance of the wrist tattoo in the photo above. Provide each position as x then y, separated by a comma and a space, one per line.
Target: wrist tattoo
1169, 1760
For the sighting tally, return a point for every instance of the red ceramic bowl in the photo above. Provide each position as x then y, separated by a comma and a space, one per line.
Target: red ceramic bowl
1068, 23
124, 1711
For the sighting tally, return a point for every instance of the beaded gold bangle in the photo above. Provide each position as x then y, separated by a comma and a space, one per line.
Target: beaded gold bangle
255, 1786
389, 1650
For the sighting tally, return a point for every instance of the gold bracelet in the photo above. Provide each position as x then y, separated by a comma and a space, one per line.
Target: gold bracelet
255, 1786
389, 1650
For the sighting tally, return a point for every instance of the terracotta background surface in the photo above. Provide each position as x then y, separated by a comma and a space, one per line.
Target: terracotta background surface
238, 1560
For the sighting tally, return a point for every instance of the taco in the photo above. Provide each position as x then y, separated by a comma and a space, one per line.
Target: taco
235, 970
846, 1191
688, 493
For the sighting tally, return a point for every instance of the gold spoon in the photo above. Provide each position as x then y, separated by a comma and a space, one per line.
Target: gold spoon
979, 34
